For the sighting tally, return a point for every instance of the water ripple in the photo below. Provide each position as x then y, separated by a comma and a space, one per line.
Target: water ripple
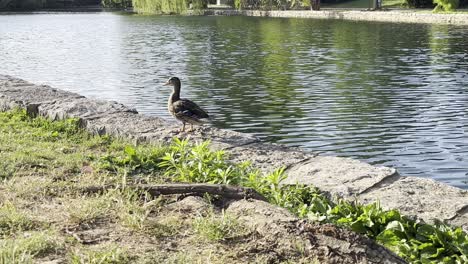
388, 94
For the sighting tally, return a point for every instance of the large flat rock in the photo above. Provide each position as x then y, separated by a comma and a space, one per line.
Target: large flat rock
17, 92
424, 198
84, 108
343, 176
269, 157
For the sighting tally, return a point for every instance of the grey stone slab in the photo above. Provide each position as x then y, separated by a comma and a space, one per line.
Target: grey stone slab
17, 92
268, 157
152, 129
83, 108
220, 138
342, 176
424, 198
131, 125
461, 219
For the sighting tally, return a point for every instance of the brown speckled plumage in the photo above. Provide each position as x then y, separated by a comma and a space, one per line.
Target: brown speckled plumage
184, 110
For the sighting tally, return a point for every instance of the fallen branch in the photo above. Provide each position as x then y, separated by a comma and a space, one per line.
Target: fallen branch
226, 191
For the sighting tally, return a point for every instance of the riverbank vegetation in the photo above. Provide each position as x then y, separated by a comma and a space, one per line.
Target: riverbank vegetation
45, 214
167, 6
195, 6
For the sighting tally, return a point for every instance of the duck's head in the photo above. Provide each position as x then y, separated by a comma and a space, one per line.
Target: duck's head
174, 81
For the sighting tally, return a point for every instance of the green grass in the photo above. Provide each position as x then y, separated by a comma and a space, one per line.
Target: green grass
12, 220
50, 161
87, 210
110, 255
217, 228
22, 249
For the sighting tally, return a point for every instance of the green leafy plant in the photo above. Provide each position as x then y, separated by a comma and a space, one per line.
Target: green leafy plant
416, 242
134, 160
196, 163
446, 5
184, 161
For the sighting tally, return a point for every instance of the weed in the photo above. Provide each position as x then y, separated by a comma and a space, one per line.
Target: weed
110, 255
134, 160
87, 210
166, 227
12, 220
133, 207
12, 255
214, 228
23, 248
197, 163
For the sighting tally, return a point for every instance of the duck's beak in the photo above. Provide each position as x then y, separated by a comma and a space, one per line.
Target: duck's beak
167, 83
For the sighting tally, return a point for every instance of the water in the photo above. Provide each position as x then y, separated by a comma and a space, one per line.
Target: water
387, 94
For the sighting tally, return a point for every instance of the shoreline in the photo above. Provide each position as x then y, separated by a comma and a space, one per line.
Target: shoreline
419, 16
391, 15
351, 179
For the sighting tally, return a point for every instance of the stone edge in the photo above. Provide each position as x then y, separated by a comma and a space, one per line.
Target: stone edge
224, 139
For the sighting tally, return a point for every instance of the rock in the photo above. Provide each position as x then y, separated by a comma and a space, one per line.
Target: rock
282, 234
268, 157
343, 176
424, 198
84, 108
19, 93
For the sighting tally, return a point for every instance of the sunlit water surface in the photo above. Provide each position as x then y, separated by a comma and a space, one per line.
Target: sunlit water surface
388, 94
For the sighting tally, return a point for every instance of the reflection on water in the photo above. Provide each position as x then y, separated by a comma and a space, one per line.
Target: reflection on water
391, 94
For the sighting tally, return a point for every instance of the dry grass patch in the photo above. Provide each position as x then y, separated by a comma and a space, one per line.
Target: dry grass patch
218, 227
85, 211
105, 254
13, 220
22, 248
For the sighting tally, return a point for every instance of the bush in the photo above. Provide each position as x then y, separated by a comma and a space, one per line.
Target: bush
446, 5
263, 4
166, 6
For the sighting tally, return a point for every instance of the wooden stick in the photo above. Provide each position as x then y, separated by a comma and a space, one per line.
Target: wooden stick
226, 191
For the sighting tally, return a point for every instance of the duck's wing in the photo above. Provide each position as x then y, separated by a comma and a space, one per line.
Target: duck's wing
187, 108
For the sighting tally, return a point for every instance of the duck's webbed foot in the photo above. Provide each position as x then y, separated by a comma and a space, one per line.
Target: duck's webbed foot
191, 128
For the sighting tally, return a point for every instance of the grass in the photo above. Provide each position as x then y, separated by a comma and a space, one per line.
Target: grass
12, 220
112, 254
47, 163
22, 249
86, 210
218, 228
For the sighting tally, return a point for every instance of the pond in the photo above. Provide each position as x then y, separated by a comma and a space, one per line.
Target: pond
387, 94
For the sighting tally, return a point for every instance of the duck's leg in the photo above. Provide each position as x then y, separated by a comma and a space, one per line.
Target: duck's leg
183, 127
191, 127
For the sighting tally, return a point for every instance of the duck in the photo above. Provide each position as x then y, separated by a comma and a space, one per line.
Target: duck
184, 110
